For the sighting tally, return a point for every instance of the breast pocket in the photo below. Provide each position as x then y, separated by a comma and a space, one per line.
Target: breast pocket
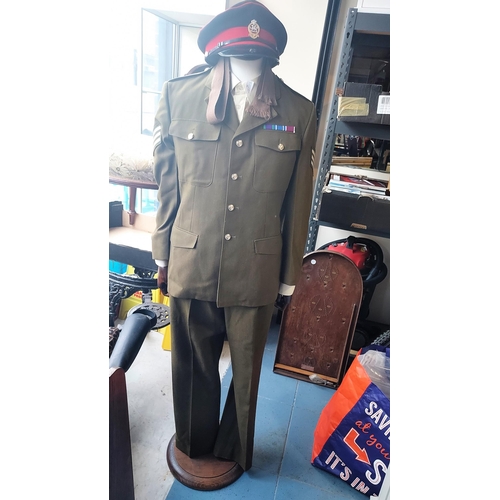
196, 146
275, 156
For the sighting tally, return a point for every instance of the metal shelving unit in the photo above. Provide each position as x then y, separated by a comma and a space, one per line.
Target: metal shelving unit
360, 27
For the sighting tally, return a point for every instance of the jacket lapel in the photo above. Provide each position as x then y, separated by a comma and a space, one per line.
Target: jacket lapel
231, 119
250, 122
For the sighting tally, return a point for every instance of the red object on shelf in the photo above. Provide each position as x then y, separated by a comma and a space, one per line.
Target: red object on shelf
358, 253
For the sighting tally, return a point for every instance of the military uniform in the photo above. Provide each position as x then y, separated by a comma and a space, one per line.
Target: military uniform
234, 198
234, 203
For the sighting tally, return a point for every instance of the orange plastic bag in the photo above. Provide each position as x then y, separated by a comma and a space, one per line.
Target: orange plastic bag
352, 436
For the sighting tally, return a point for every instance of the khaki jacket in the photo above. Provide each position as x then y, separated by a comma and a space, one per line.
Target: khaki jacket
234, 199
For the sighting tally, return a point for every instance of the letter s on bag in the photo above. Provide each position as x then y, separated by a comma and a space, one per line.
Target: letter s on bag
346, 474
378, 463
371, 408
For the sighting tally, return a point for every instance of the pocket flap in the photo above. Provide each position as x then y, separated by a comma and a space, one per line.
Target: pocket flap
268, 246
182, 238
194, 131
280, 142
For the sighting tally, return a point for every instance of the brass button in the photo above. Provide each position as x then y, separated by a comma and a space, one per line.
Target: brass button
234, 176
239, 143
230, 208
190, 136
227, 237
281, 147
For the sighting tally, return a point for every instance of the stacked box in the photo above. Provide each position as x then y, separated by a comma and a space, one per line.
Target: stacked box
364, 103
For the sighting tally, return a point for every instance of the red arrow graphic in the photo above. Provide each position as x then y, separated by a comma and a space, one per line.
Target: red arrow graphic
350, 440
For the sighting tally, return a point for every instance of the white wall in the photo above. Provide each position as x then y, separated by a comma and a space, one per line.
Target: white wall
304, 22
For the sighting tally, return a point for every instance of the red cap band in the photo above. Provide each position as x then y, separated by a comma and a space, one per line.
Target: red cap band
242, 36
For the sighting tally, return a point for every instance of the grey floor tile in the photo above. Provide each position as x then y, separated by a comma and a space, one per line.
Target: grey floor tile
274, 386
312, 397
253, 484
290, 489
256, 484
298, 450
271, 428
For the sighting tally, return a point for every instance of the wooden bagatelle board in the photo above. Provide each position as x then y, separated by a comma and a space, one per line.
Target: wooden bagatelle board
318, 325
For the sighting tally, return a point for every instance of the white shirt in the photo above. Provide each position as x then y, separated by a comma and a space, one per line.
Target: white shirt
242, 93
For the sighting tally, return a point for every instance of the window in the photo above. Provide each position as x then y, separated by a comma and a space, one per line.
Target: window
158, 63
169, 49
166, 47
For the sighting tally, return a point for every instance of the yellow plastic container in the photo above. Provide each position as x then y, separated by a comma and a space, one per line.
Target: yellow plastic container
167, 339
129, 303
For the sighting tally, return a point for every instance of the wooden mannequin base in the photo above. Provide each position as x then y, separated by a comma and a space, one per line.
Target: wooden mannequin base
202, 473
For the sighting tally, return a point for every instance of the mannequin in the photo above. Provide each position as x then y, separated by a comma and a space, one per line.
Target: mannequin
245, 69
246, 72
235, 192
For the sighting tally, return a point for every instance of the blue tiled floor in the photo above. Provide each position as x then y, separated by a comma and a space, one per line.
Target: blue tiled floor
287, 413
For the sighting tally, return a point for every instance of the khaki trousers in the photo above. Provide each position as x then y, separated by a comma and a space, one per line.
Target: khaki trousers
198, 331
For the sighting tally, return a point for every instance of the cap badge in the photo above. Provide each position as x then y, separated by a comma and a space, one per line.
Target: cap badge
253, 29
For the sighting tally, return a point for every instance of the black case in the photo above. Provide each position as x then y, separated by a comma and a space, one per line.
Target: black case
356, 213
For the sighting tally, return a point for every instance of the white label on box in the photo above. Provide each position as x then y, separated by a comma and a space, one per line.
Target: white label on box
375, 6
384, 105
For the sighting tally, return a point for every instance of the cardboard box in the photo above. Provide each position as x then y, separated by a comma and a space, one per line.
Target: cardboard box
364, 103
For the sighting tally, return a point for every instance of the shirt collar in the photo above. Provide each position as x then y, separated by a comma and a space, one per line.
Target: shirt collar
250, 84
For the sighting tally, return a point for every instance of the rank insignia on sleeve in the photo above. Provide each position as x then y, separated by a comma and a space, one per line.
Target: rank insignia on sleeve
156, 137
